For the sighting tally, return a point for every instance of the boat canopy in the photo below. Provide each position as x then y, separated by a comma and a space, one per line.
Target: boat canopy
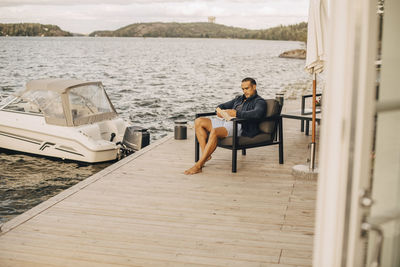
69, 102
56, 85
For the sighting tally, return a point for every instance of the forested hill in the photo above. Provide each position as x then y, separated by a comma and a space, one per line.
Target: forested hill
294, 32
31, 29
297, 32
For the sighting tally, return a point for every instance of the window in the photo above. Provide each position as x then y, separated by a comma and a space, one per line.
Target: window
49, 102
88, 100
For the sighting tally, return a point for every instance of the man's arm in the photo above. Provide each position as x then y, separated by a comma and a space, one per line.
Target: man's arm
258, 112
228, 105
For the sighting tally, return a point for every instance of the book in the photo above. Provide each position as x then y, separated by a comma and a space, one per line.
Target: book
224, 114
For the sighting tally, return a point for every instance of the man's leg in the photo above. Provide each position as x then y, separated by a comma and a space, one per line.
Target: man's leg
210, 147
202, 127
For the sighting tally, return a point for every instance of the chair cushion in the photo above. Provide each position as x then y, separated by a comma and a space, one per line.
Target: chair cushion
272, 107
272, 110
243, 140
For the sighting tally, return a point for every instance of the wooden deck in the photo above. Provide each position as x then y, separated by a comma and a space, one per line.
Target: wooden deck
143, 211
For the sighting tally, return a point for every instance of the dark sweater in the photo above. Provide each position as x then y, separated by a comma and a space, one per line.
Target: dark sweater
253, 109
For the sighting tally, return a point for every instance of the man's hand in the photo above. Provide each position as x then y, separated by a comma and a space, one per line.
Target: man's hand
231, 112
218, 110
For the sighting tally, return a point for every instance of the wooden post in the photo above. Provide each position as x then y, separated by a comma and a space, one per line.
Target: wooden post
314, 99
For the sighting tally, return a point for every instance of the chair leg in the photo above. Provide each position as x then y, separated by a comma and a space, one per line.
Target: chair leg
302, 126
196, 149
244, 152
234, 159
280, 141
307, 126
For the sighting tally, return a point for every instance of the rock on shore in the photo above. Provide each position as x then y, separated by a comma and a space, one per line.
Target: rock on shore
297, 53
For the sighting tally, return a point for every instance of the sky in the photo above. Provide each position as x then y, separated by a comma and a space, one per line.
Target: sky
86, 16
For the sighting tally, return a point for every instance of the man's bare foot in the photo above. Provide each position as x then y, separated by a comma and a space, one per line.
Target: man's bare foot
195, 169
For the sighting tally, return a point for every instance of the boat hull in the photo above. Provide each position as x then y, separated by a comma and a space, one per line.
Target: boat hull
36, 137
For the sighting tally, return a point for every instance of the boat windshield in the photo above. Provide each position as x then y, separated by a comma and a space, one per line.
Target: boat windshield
88, 102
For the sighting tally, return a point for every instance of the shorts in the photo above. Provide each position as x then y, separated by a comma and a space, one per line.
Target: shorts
228, 125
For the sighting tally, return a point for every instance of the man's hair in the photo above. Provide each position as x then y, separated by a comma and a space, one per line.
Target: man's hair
251, 80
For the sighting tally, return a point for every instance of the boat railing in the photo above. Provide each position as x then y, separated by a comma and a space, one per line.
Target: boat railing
5, 100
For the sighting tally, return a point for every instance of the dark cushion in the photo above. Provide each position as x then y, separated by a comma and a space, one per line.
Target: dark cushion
243, 140
272, 107
272, 110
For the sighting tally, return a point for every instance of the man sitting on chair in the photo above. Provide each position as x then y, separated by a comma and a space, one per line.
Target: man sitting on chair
249, 106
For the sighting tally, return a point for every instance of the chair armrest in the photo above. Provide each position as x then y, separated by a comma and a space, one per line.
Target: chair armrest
310, 95
205, 114
239, 120
272, 118
303, 102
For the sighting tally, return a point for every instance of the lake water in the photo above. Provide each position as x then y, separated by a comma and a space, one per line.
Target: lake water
151, 81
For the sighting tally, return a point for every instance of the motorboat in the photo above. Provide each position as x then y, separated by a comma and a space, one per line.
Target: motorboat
68, 119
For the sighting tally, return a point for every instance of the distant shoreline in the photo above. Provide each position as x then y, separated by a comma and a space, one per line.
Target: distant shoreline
141, 37
295, 32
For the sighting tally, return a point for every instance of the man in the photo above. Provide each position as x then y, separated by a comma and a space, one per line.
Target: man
249, 106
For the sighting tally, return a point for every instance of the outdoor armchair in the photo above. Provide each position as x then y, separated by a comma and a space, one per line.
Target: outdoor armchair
271, 134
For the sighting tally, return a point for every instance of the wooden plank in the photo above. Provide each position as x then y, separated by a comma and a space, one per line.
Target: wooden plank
277, 238
102, 233
33, 256
111, 247
7, 262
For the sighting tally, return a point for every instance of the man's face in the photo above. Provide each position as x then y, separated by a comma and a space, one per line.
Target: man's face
248, 89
